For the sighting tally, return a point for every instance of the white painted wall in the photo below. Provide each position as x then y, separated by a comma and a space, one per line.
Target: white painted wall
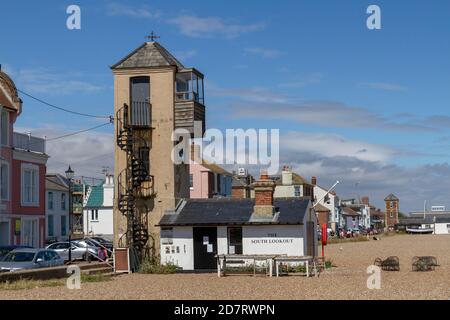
181, 251
319, 194
103, 226
222, 240
441, 228
282, 239
108, 191
273, 240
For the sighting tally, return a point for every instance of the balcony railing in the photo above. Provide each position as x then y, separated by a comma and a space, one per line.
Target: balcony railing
140, 114
188, 96
29, 143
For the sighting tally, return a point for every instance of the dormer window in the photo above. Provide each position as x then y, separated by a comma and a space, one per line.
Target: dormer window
189, 87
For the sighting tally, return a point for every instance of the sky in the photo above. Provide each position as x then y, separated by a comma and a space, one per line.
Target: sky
366, 107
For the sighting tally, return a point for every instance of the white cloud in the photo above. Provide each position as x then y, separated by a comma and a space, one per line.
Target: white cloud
87, 153
263, 52
384, 86
255, 94
331, 145
185, 55
332, 114
118, 9
311, 79
199, 27
44, 80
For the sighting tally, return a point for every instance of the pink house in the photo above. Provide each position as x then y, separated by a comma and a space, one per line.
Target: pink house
22, 175
209, 180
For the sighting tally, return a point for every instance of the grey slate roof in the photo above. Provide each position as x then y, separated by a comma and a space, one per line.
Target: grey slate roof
229, 211
442, 220
391, 197
55, 181
150, 54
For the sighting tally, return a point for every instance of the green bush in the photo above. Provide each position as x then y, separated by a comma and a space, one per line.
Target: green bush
154, 266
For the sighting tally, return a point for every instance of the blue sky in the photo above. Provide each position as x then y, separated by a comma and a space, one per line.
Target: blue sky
367, 107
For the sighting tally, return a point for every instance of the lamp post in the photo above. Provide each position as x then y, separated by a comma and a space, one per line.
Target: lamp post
69, 175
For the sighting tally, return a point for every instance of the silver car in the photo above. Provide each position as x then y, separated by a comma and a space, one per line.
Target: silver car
21, 259
78, 252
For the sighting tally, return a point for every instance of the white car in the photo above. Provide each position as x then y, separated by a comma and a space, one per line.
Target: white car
78, 252
21, 259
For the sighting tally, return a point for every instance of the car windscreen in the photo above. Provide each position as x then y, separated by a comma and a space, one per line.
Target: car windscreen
4, 251
19, 257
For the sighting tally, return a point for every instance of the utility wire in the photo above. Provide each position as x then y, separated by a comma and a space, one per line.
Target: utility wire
64, 109
77, 132
70, 134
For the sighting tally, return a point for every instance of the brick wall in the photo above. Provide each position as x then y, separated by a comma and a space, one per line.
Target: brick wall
391, 213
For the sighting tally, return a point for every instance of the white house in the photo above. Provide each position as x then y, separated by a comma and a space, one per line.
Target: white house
98, 209
199, 229
57, 207
328, 200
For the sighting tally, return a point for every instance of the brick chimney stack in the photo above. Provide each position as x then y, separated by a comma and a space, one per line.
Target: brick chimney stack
264, 188
365, 200
314, 181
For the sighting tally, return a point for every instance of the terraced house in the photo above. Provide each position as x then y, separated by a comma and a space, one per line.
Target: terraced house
98, 209
22, 175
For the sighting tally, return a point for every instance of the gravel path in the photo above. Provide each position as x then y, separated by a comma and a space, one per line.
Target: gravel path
346, 281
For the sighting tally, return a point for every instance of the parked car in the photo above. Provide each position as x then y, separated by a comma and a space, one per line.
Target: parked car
91, 242
21, 259
93, 246
78, 252
4, 250
104, 242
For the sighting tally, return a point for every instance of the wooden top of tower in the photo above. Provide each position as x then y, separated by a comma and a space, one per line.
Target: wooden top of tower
149, 55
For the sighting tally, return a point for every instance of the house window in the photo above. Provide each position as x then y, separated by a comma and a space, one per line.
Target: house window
191, 180
63, 226
392, 205
296, 191
391, 214
30, 185
4, 181
50, 225
50, 200
4, 127
234, 240
94, 215
167, 236
63, 201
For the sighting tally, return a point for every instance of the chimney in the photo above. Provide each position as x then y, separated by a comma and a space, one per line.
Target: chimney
365, 200
314, 181
286, 176
264, 188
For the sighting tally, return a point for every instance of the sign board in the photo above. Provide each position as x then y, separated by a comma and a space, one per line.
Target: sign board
438, 208
242, 172
122, 260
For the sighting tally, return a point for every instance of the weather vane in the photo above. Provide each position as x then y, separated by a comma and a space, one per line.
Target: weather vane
152, 36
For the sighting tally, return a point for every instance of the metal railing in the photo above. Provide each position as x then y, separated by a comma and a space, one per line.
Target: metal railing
28, 142
140, 114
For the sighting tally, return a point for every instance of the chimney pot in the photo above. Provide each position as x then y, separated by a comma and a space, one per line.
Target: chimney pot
314, 180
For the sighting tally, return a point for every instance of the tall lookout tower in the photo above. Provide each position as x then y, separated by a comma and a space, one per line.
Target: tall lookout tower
391, 218
154, 94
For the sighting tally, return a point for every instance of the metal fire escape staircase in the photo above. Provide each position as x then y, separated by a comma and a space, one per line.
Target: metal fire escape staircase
134, 182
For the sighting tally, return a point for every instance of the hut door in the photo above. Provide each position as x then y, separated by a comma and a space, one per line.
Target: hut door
205, 248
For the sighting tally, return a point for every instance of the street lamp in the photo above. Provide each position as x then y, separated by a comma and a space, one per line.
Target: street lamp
69, 175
